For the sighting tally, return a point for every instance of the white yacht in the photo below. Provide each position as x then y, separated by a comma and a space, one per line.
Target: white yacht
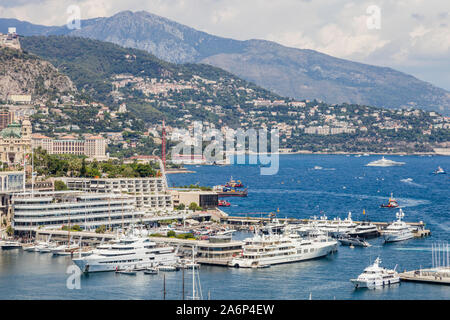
398, 230
128, 252
266, 250
338, 227
9, 245
376, 276
383, 162
365, 230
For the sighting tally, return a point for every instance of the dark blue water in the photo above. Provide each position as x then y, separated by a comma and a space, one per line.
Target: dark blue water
344, 184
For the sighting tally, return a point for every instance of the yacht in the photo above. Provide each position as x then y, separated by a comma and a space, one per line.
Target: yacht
265, 250
338, 227
349, 241
376, 276
133, 252
9, 245
383, 162
398, 230
439, 170
365, 230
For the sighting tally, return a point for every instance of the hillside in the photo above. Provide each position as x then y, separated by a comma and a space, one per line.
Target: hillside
23, 73
151, 87
297, 73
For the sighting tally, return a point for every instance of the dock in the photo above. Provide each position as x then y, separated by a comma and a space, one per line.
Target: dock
245, 222
434, 276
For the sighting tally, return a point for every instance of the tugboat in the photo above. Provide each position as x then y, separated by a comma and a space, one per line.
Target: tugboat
223, 191
234, 184
439, 170
223, 203
391, 204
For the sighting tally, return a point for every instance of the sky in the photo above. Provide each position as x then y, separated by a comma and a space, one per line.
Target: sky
412, 36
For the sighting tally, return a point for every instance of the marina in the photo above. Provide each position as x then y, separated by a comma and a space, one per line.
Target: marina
324, 278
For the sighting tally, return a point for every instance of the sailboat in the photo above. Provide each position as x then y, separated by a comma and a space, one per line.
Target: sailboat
196, 285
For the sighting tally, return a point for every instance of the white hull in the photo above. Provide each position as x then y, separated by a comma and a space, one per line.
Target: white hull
88, 265
397, 237
254, 263
374, 284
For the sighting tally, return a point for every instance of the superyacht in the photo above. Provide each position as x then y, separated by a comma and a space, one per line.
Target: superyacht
398, 230
265, 250
134, 252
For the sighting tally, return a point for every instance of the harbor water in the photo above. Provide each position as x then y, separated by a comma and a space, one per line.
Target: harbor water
306, 185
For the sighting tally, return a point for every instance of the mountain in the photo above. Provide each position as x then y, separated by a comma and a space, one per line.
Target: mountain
297, 73
23, 73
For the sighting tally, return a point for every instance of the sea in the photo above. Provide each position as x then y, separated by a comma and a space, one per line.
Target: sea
304, 186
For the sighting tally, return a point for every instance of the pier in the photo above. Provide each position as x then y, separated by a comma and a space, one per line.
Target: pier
435, 276
244, 223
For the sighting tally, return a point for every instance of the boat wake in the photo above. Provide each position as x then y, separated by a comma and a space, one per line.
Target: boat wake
410, 182
405, 202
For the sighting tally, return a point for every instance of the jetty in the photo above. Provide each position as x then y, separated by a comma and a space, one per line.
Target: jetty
435, 276
246, 222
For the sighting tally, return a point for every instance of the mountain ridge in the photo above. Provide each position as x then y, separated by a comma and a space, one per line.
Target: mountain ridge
292, 72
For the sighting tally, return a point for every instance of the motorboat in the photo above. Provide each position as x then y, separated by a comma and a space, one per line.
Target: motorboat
376, 276
391, 204
398, 230
10, 245
365, 230
383, 162
224, 203
353, 241
128, 271
151, 270
168, 268
133, 252
439, 170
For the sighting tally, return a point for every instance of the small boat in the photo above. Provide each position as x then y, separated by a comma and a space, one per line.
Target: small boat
391, 204
168, 268
151, 271
439, 170
128, 271
376, 276
10, 245
223, 191
223, 203
234, 184
353, 241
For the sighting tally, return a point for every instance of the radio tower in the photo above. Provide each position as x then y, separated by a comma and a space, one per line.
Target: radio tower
163, 152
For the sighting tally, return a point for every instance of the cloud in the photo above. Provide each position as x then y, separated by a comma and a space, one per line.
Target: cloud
414, 34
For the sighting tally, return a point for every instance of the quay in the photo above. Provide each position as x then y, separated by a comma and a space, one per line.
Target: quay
244, 223
435, 276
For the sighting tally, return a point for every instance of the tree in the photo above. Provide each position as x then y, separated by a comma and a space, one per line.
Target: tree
9, 231
83, 168
101, 229
194, 206
60, 185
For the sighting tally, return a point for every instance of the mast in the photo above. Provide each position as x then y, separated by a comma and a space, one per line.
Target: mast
163, 145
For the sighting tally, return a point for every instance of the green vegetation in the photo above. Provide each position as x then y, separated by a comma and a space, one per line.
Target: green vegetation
181, 206
9, 231
195, 186
76, 166
60, 185
101, 229
194, 206
75, 228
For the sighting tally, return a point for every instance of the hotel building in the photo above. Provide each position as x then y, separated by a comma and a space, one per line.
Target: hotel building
53, 210
150, 193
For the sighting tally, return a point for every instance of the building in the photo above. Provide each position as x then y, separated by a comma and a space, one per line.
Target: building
53, 210
188, 159
15, 142
19, 98
205, 199
149, 193
94, 147
6, 118
11, 39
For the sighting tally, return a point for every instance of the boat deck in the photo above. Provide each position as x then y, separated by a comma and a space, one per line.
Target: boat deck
427, 276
